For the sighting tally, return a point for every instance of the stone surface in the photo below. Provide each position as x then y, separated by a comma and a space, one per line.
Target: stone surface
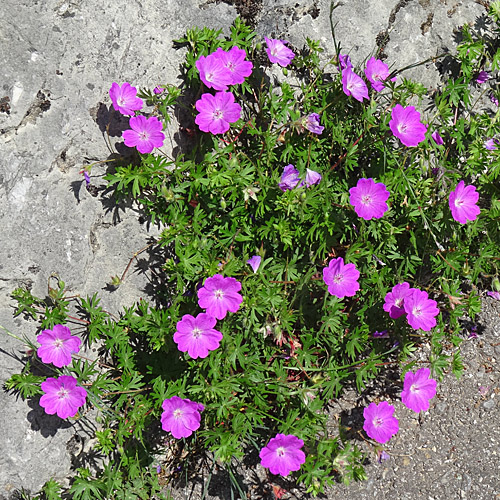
58, 60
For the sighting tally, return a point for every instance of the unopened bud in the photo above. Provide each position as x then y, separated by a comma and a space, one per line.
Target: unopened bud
496, 284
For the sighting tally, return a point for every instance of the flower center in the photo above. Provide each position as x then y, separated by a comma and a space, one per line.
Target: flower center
459, 202
402, 127
230, 65
338, 278
209, 77
196, 333
280, 451
376, 76
218, 114
143, 136
62, 393
178, 413
414, 388
58, 343
417, 311
274, 51
399, 302
219, 294
121, 101
366, 199
377, 422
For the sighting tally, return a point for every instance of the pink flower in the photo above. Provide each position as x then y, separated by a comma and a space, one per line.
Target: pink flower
146, 134
482, 77
342, 280
379, 422
124, 98
369, 199
418, 390
394, 300
289, 179
405, 125
312, 177
235, 61
495, 295
181, 417
197, 335
436, 137
158, 90
421, 311
312, 123
254, 262
217, 112
344, 61
219, 295
462, 203
377, 72
213, 73
278, 52
354, 85
283, 454
62, 396
57, 346
491, 144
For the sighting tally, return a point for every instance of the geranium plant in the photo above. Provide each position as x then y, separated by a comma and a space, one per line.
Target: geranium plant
306, 212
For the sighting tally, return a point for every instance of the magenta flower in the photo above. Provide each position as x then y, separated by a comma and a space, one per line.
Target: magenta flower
491, 144
418, 390
278, 52
354, 85
394, 300
436, 137
213, 73
283, 454
146, 134
235, 61
124, 98
254, 262
312, 177
181, 417
493, 99
57, 346
62, 396
420, 311
197, 335
482, 77
158, 90
369, 199
379, 422
289, 179
219, 295
384, 334
377, 72
344, 61
342, 280
495, 295
405, 125
462, 203
217, 112
312, 123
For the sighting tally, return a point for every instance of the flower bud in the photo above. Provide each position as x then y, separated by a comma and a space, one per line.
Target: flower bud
223, 204
495, 284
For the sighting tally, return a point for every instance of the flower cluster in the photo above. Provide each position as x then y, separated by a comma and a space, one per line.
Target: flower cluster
290, 178
418, 390
218, 71
420, 311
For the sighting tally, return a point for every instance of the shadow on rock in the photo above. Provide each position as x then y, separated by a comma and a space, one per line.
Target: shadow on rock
47, 425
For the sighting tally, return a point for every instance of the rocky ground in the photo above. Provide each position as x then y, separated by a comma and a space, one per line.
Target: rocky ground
58, 60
